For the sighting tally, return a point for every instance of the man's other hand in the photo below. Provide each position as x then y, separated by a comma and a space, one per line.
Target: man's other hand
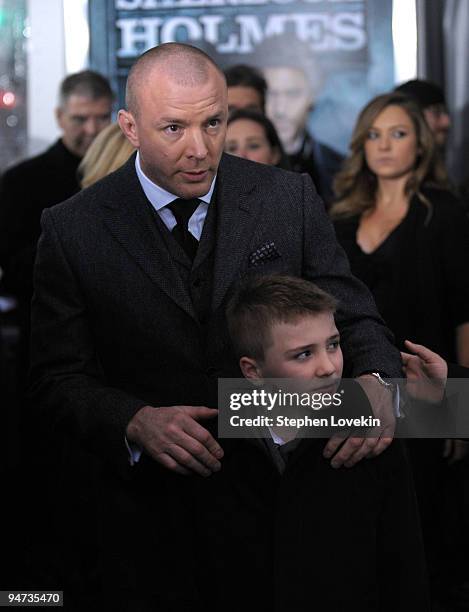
348, 451
173, 437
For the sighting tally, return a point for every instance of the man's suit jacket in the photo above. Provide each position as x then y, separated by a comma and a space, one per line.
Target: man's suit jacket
114, 328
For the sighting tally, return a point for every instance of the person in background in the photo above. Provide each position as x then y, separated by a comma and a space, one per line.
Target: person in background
411, 249
26, 189
109, 151
431, 99
294, 80
253, 136
246, 88
427, 380
84, 109
392, 217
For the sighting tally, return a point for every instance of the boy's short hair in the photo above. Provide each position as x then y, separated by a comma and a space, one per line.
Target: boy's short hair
261, 302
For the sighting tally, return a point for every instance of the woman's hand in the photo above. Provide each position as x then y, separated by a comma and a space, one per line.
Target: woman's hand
426, 373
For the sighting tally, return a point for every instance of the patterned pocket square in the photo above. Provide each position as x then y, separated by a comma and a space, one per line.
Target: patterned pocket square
266, 252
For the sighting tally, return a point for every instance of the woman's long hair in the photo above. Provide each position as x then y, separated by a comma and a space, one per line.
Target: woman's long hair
355, 185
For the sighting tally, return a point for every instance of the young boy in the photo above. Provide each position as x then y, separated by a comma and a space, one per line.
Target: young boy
302, 535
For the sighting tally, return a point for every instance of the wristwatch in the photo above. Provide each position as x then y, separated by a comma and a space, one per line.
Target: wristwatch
384, 383
394, 389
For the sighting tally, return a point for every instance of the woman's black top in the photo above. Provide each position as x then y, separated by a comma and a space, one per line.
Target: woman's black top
419, 273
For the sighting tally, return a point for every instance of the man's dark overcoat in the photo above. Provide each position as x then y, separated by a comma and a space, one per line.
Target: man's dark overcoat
121, 320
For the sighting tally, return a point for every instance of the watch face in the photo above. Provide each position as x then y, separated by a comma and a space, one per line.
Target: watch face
381, 380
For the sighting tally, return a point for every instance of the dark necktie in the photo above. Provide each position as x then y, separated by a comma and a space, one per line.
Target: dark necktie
183, 211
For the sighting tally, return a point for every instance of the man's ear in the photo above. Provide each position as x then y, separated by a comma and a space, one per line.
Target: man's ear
129, 127
250, 369
58, 115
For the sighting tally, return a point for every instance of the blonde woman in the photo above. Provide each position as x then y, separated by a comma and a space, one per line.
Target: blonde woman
108, 152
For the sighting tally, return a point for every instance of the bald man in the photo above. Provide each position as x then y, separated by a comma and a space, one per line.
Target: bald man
129, 332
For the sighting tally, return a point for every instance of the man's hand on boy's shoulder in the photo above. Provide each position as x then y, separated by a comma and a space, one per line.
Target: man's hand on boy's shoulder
348, 451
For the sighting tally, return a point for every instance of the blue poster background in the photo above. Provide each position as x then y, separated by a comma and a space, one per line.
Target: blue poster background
350, 39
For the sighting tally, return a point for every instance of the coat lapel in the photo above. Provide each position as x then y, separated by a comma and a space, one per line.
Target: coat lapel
128, 218
239, 205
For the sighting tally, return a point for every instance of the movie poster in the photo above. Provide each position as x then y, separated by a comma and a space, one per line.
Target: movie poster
340, 51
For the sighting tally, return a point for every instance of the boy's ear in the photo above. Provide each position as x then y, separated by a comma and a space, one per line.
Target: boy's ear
250, 369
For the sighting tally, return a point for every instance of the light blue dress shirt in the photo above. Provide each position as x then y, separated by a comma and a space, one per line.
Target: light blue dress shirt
160, 198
